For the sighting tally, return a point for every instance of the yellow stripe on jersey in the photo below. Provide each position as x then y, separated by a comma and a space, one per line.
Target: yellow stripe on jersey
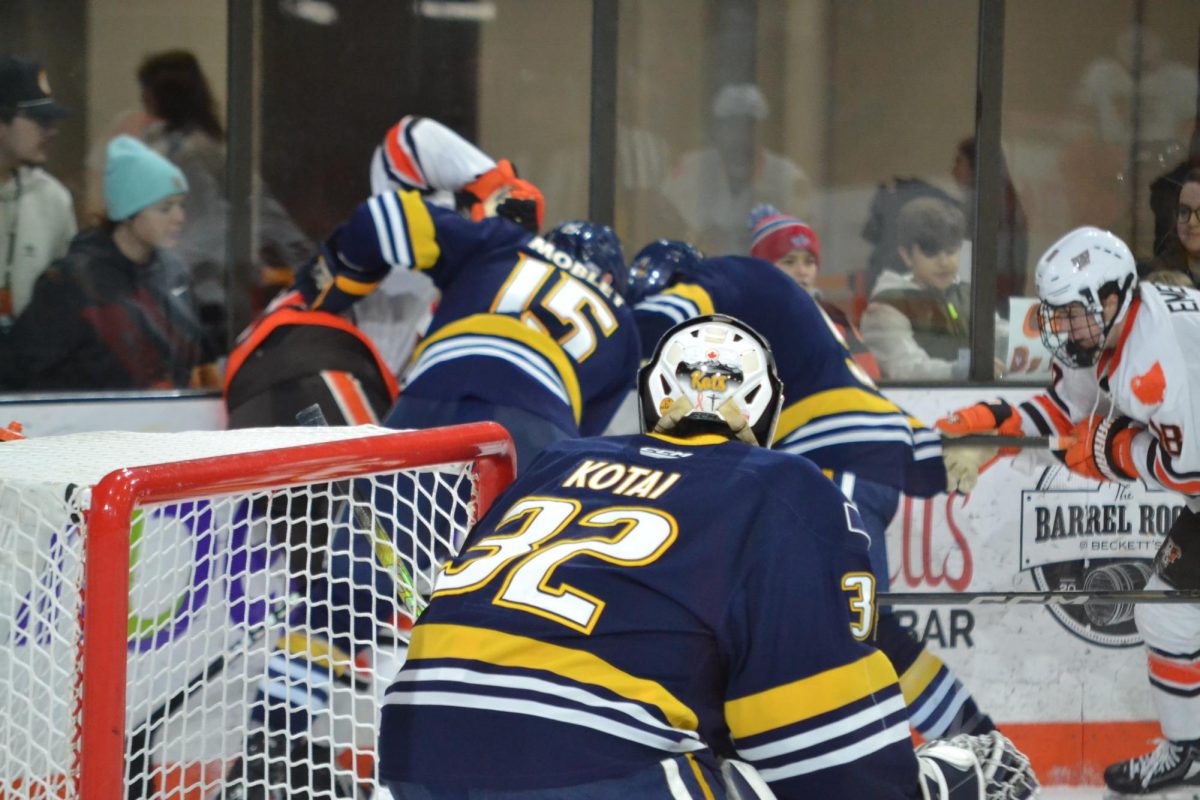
512, 328
916, 424
918, 676
694, 292
699, 438
351, 286
691, 759
809, 697
521, 652
421, 234
831, 401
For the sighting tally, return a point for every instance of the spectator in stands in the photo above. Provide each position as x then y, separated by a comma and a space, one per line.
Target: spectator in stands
1012, 241
187, 131
36, 213
116, 312
918, 321
1181, 252
714, 187
795, 248
881, 228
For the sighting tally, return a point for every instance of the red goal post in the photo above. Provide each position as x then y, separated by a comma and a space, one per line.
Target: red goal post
436, 465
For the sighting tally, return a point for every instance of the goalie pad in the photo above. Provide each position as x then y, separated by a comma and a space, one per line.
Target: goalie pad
986, 767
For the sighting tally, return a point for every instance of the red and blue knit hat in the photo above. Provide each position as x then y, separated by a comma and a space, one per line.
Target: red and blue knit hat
774, 235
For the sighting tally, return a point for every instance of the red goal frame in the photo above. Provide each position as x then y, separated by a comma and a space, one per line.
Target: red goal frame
105, 596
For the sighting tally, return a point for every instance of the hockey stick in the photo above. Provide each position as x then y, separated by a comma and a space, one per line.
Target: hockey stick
406, 589
988, 440
1060, 598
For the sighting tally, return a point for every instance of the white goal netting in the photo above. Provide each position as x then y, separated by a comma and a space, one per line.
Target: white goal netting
269, 602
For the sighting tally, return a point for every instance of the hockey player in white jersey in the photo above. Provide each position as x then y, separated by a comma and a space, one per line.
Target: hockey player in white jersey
422, 154
1124, 404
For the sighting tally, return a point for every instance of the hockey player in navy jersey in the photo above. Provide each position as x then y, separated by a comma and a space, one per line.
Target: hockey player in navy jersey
531, 331
835, 416
292, 357
683, 613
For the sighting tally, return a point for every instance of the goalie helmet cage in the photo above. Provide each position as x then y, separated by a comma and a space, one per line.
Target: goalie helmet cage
75, 660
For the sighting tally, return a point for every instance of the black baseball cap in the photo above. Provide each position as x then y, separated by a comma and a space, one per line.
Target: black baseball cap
25, 87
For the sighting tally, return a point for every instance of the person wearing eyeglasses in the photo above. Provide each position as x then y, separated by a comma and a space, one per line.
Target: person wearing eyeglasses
1180, 259
37, 216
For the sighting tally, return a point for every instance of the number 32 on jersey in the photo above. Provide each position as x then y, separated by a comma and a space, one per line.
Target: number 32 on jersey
528, 556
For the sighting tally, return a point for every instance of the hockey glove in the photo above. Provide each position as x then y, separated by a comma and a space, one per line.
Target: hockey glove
963, 465
1100, 448
500, 193
998, 417
986, 767
330, 283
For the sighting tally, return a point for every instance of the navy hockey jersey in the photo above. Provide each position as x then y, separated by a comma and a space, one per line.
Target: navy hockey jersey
634, 598
832, 412
519, 324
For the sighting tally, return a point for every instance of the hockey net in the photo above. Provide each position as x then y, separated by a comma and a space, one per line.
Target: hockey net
223, 623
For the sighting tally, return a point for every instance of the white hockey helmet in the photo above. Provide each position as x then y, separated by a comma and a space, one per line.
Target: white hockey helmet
1084, 267
712, 374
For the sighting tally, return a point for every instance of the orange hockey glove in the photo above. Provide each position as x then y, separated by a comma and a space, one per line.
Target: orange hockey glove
998, 417
1100, 448
499, 192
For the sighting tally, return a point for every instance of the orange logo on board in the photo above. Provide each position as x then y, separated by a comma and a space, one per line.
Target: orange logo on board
1149, 388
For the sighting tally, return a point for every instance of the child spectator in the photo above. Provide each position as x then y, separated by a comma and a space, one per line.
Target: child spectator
116, 312
186, 129
795, 248
918, 322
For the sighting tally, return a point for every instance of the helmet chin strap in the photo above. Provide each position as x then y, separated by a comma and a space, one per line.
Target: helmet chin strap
733, 415
1081, 356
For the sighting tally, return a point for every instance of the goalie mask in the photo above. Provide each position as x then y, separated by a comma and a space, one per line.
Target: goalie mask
1073, 279
712, 374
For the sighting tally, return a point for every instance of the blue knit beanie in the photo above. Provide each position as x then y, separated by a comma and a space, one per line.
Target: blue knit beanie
136, 177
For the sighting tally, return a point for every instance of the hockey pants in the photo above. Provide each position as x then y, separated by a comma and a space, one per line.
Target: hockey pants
678, 778
1172, 632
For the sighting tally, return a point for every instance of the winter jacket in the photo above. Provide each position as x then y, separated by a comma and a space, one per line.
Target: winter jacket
100, 321
917, 333
37, 221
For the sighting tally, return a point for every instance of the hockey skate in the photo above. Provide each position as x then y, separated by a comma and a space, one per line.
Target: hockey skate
1169, 770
